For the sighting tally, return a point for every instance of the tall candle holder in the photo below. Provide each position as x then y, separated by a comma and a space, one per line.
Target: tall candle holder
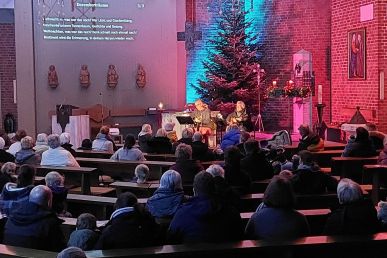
320, 127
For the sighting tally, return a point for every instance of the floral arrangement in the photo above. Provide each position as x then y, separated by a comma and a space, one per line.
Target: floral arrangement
290, 90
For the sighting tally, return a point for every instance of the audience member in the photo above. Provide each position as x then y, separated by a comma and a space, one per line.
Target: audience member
160, 143
382, 159
102, 141
8, 174
64, 140
309, 140
233, 174
72, 252
231, 137
14, 194
34, 225
7, 140
27, 155
130, 226
255, 163
171, 134
356, 215
276, 219
56, 155
360, 146
144, 137
55, 182
41, 144
377, 138
308, 178
186, 137
85, 235
167, 199
185, 165
199, 148
86, 144
244, 136
141, 174
5, 156
204, 218
16, 145
129, 151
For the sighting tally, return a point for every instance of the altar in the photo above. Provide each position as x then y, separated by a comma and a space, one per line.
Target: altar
78, 128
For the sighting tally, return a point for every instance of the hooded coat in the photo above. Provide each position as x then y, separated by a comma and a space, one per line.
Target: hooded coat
27, 156
164, 203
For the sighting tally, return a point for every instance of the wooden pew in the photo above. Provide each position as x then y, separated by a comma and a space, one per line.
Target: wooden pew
93, 154
376, 172
313, 246
290, 150
160, 157
323, 158
20, 252
140, 190
87, 174
352, 167
125, 169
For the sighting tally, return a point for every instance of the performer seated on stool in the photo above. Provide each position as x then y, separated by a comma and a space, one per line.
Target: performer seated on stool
202, 119
239, 116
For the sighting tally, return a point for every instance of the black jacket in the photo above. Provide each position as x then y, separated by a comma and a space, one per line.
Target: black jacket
187, 169
6, 157
308, 140
308, 181
256, 166
143, 143
200, 151
31, 226
160, 145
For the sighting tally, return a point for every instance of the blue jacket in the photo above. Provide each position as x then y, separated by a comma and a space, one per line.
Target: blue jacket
230, 138
164, 203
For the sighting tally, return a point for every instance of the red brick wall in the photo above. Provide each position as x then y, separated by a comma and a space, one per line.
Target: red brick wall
290, 25
364, 93
7, 70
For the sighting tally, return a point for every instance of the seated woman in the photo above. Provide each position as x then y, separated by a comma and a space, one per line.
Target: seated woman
64, 139
309, 140
360, 146
231, 137
27, 155
160, 144
41, 144
233, 174
129, 151
356, 215
86, 145
239, 117
8, 174
55, 182
167, 199
102, 141
276, 219
141, 174
143, 138
185, 165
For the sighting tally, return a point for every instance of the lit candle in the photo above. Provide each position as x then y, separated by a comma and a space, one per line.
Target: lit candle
274, 83
319, 94
161, 105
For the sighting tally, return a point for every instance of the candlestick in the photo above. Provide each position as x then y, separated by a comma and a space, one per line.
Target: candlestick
319, 94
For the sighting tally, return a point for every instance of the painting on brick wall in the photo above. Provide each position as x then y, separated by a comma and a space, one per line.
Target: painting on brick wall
357, 54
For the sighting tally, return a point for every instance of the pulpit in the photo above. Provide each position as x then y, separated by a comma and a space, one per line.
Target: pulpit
70, 120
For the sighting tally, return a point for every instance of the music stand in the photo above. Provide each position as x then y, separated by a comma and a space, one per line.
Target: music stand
185, 120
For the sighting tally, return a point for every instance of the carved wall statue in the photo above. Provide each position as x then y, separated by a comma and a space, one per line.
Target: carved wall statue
84, 77
53, 81
141, 77
112, 77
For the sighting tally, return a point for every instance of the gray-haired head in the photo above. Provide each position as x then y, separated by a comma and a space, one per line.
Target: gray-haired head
41, 195
197, 137
27, 143
8, 168
53, 141
54, 179
72, 252
64, 138
187, 133
86, 221
171, 179
215, 170
142, 173
348, 191
183, 152
41, 139
161, 133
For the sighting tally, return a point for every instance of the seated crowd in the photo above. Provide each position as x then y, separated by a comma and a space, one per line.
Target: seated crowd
172, 215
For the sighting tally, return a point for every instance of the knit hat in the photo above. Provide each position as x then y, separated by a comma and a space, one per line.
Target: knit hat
169, 126
72, 252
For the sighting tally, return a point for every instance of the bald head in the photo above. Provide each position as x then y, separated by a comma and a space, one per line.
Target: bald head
41, 195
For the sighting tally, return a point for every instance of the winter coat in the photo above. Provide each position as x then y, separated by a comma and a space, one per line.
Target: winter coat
187, 141
102, 143
6, 157
83, 238
353, 219
269, 223
256, 166
200, 151
205, 219
58, 157
160, 145
32, 226
128, 154
59, 197
27, 156
355, 148
164, 203
230, 138
69, 148
187, 169
143, 142
310, 142
12, 197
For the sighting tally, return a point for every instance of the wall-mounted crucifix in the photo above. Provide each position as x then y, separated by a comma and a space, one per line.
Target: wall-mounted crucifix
189, 35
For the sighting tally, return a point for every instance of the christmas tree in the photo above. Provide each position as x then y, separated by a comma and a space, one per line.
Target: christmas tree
232, 67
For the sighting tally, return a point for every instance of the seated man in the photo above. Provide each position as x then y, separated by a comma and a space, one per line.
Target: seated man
378, 138
360, 146
56, 155
204, 218
200, 149
255, 163
34, 225
186, 137
308, 179
309, 140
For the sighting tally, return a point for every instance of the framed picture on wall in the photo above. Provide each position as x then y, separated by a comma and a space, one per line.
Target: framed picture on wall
357, 54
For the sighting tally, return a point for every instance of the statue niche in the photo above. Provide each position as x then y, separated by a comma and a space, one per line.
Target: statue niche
84, 77
112, 77
53, 80
141, 77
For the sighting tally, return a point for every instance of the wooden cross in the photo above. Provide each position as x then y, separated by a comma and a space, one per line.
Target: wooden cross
189, 35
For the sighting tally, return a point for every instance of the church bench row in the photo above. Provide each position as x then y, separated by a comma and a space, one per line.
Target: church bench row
352, 167
313, 246
107, 155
